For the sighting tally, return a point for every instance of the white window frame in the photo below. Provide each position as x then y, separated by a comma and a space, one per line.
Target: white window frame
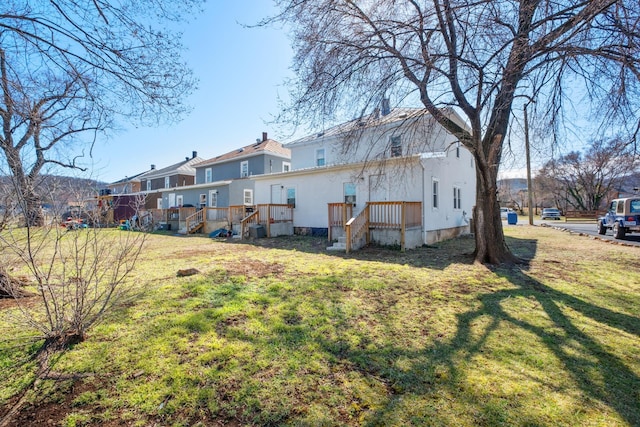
167, 182
148, 185
203, 200
244, 169
208, 175
457, 198
179, 200
435, 193
159, 203
286, 166
247, 196
347, 197
395, 145
213, 198
321, 157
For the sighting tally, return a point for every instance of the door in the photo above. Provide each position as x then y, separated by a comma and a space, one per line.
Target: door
159, 201
172, 200
276, 194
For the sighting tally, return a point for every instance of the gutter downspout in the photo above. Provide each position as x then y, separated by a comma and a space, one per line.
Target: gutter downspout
424, 206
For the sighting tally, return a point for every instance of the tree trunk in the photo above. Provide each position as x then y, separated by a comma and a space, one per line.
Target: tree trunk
33, 216
491, 247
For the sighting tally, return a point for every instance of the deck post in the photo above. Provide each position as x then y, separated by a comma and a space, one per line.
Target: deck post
403, 226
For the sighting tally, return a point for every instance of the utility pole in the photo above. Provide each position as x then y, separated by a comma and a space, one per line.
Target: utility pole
526, 146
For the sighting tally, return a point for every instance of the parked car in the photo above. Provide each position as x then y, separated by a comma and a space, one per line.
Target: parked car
504, 212
622, 217
550, 213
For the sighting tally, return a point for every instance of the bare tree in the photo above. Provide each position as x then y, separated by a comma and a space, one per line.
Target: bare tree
71, 69
478, 57
584, 181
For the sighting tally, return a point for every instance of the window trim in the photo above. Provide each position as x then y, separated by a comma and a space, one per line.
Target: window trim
179, 200
244, 164
457, 198
286, 166
323, 158
247, 192
208, 175
435, 193
395, 146
167, 182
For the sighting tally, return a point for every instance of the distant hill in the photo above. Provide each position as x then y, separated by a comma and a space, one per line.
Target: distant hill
59, 190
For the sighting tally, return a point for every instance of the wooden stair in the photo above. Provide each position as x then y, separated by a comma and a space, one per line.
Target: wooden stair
195, 222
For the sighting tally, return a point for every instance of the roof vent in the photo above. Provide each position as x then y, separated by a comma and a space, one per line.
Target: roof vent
153, 167
241, 150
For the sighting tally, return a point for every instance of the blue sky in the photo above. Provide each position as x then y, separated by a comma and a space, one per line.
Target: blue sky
241, 72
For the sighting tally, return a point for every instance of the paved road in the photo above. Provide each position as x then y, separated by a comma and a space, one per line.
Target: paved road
590, 229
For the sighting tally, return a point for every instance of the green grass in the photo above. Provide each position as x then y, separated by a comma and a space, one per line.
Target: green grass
282, 333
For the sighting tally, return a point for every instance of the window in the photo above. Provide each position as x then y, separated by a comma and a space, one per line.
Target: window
435, 186
457, 199
244, 169
396, 146
620, 208
291, 196
458, 150
320, 158
286, 166
148, 185
179, 200
635, 206
350, 192
167, 182
208, 175
203, 200
159, 203
248, 197
213, 198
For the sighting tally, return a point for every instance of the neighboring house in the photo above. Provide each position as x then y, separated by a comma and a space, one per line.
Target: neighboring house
127, 185
399, 161
225, 181
157, 181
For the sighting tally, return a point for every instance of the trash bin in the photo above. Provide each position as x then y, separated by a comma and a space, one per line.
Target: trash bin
256, 231
512, 218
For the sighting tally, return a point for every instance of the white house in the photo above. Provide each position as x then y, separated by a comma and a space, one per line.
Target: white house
401, 156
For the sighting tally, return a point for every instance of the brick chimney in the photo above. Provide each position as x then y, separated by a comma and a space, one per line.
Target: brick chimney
194, 154
264, 136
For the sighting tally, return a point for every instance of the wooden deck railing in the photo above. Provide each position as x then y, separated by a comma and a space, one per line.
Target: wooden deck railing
253, 218
357, 231
376, 215
217, 214
339, 214
195, 221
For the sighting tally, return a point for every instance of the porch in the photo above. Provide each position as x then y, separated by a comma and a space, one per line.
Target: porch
386, 223
277, 219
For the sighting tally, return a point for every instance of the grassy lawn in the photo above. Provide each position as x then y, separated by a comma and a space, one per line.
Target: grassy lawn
284, 333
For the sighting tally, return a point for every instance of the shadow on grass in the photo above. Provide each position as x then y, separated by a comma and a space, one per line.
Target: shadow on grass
597, 372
